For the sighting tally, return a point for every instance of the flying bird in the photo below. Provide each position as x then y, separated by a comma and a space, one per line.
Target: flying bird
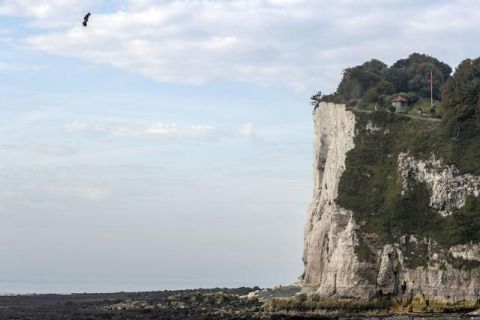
85, 19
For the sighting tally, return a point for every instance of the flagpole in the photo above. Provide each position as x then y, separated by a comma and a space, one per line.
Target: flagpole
431, 89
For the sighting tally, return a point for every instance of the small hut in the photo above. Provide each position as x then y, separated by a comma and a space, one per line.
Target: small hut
400, 104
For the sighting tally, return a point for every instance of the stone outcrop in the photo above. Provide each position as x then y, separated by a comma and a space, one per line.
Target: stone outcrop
332, 265
449, 188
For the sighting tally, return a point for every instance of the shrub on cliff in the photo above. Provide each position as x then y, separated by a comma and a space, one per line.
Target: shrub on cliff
463, 226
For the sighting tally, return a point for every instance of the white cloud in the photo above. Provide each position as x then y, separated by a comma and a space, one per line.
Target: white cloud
43, 149
26, 192
48, 13
92, 194
13, 67
184, 42
174, 130
296, 43
76, 126
247, 130
161, 130
9, 195
88, 193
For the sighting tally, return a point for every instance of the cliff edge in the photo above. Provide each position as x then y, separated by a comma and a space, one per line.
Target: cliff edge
389, 217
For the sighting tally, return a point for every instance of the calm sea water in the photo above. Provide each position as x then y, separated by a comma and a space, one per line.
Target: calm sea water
9, 287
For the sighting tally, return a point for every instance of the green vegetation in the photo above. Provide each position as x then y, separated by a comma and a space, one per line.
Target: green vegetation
374, 83
461, 95
461, 123
463, 225
372, 188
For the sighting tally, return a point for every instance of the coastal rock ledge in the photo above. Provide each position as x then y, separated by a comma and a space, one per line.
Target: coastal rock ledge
345, 260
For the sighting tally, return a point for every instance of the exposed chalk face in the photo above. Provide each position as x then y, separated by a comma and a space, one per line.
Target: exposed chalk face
332, 267
449, 188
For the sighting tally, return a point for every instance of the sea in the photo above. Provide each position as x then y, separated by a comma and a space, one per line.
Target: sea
16, 287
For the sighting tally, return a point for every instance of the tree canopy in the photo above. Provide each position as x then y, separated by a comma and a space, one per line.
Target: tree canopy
461, 100
374, 82
457, 97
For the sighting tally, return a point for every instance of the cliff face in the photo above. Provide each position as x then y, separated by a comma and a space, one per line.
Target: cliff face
344, 256
330, 262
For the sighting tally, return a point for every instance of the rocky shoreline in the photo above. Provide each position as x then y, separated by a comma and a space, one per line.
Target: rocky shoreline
202, 304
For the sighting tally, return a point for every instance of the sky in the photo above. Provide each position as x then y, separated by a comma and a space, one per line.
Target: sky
169, 143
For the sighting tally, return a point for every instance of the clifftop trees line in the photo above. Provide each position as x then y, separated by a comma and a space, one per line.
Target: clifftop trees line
461, 98
374, 84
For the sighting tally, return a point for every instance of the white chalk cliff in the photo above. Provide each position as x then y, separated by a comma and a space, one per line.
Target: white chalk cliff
332, 267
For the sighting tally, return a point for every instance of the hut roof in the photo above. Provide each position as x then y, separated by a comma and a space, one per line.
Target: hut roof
399, 99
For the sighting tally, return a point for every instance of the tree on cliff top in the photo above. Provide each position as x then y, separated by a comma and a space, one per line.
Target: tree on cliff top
411, 74
461, 100
359, 79
374, 82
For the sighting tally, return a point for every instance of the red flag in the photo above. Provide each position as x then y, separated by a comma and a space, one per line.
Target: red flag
430, 78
